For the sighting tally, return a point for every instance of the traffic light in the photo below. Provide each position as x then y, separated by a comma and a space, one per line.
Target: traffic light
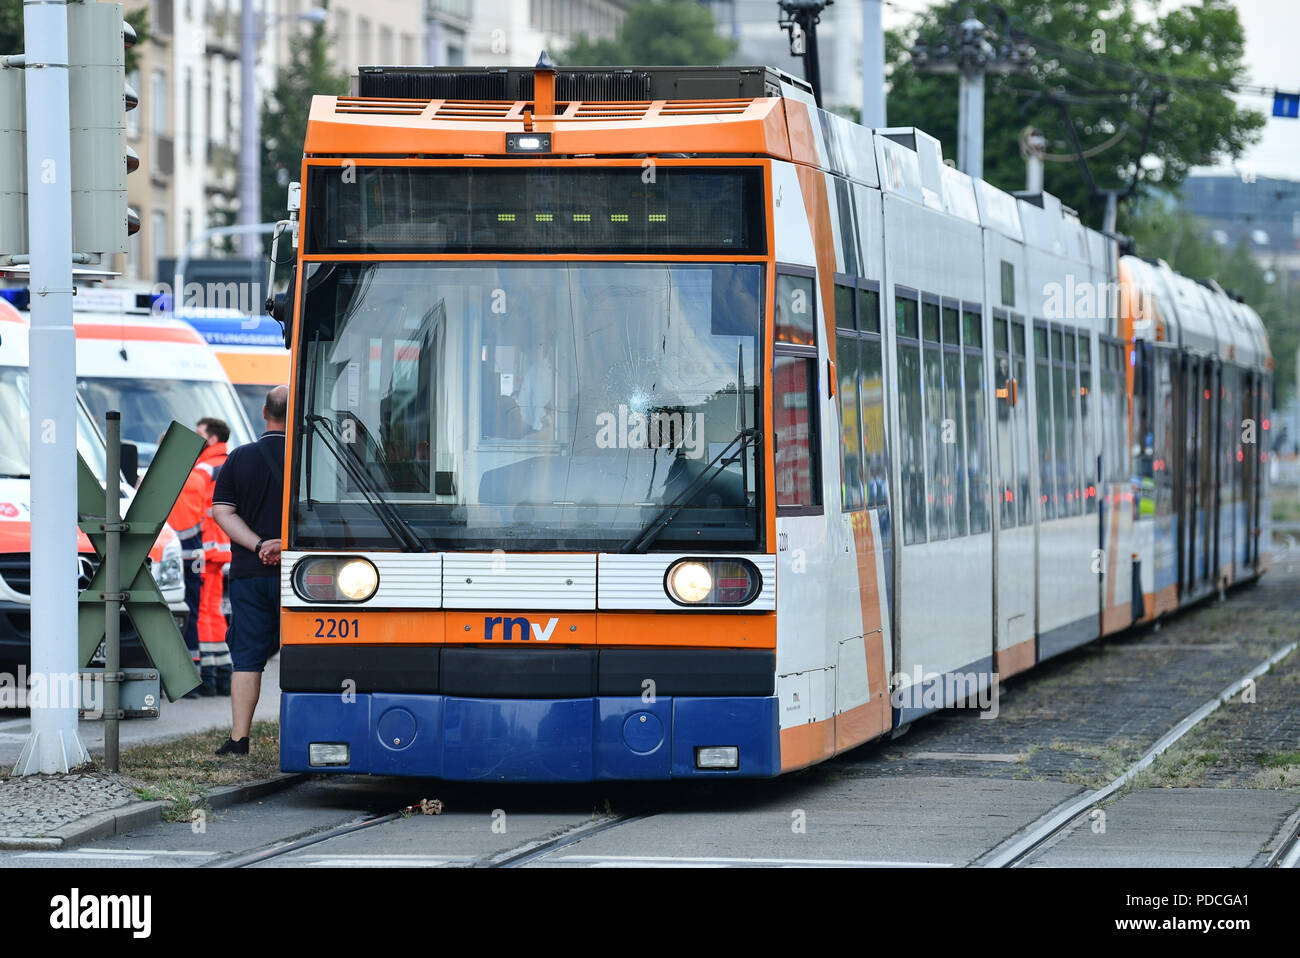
13, 160
98, 100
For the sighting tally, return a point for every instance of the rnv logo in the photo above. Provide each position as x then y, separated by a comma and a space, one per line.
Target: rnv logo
509, 625
75, 911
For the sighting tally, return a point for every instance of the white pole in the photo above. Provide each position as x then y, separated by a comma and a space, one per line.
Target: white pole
54, 744
250, 151
970, 123
873, 65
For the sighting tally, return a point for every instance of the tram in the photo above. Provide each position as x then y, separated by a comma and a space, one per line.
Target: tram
654, 423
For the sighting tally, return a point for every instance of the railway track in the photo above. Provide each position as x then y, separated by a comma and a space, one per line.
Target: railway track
1021, 848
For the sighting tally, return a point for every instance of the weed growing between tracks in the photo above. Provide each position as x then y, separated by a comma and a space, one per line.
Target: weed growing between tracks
184, 770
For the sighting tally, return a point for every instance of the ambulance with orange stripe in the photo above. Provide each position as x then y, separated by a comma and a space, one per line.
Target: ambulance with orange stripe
15, 508
251, 350
153, 369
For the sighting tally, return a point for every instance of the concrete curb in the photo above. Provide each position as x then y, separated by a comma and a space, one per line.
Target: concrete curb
133, 815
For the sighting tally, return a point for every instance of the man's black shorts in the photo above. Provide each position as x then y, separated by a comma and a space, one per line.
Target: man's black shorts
254, 634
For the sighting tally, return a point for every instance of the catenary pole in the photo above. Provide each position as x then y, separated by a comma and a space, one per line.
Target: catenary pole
873, 65
250, 151
54, 744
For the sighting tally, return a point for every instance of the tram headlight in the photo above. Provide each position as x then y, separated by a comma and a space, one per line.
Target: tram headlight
712, 582
335, 579
690, 582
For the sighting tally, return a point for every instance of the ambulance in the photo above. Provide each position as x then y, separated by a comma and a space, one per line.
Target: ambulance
133, 357
15, 510
250, 348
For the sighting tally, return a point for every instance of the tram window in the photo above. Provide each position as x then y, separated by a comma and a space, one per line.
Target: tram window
906, 316
1004, 425
912, 453
1021, 489
871, 395
930, 321
972, 334
847, 369
999, 334
954, 435
937, 484
1043, 409
869, 310
795, 457
796, 310
1070, 393
1088, 459
1061, 471
951, 326
844, 318
977, 465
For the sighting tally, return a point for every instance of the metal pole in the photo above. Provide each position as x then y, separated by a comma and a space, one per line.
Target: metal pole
183, 261
250, 152
873, 65
54, 744
1112, 212
970, 123
812, 63
112, 586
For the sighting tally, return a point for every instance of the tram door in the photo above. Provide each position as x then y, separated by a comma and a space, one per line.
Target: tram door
1187, 497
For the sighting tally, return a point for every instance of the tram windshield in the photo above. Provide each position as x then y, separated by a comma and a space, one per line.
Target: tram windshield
529, 406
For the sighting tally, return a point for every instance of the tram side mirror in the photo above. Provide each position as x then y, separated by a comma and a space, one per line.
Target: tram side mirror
280, 306
130, 463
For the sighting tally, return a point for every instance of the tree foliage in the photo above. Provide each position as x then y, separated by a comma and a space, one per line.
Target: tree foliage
1112, 60
308, 72
667, 33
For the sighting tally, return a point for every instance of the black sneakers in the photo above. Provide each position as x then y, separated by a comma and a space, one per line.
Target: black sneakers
233, 747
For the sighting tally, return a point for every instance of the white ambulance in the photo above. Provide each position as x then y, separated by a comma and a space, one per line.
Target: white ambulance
15, 508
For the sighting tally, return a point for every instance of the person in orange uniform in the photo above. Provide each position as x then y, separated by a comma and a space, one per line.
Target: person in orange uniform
207, 550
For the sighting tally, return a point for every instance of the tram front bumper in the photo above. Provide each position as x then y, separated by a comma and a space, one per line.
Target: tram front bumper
528, 740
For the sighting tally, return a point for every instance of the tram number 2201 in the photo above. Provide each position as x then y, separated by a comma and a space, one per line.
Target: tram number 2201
337, 629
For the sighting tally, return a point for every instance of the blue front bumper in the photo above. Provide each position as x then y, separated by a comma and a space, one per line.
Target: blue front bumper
529, 740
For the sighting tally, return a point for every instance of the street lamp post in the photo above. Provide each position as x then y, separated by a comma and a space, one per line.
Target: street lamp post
250, 147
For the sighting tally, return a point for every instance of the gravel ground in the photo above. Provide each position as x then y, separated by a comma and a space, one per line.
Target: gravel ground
1083, 717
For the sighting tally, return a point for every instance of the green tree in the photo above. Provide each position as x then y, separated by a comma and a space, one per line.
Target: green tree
667, 33
310, 71
11, 30
1160, 228
1111, 60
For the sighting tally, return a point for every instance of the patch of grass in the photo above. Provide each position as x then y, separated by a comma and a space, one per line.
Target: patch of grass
1278, 759
1286, 505
184, 770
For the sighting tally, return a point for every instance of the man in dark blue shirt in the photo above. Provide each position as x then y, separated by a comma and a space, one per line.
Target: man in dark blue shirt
247, 504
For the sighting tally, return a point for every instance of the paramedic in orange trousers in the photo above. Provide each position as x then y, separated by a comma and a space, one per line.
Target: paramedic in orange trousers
189, 516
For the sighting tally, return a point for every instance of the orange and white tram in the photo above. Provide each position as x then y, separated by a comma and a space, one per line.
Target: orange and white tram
654, 423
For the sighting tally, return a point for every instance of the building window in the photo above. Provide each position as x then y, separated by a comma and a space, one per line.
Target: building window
133, 117
342, 39
189, 114
158, 239
386, 45
363, 41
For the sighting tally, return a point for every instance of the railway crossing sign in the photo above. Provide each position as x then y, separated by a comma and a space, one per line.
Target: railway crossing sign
144, 519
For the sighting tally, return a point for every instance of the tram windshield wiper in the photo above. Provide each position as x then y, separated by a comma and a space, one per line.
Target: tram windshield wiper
397, 527
716, 467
